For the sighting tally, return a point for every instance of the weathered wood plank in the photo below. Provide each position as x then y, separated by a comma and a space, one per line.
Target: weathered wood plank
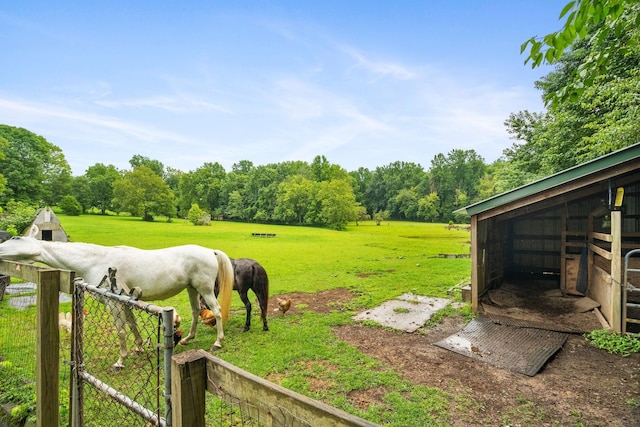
602, 252
47, 349
29, 273
599, 290
602, 236
270, 403
188, 387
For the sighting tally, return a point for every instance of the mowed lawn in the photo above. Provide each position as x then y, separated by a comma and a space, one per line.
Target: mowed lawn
376, 263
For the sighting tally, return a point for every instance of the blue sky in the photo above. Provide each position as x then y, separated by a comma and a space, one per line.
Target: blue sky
364, 83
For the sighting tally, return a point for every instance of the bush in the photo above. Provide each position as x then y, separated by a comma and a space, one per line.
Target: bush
197, 216
16, 217
70, 206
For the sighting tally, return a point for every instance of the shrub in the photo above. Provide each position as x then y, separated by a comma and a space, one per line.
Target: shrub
70, 206
197, 216
16, 217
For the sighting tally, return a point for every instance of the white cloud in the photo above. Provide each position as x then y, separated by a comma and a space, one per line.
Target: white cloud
379, 68
42, 113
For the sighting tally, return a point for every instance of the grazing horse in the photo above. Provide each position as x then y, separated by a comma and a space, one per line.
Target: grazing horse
249, 274
159, 274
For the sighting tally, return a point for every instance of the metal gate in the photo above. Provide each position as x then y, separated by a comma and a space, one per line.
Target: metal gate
627, 317
102, 393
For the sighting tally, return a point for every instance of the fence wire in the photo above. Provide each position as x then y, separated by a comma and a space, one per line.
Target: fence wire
227, 410
119, 396
18, 346
224, 408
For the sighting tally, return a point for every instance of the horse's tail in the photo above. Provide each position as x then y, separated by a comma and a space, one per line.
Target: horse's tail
225, 282
260, 276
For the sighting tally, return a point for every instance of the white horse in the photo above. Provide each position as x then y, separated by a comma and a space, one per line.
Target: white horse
159, 274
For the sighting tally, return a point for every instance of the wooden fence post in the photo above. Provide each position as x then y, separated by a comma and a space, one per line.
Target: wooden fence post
48, 349
188, 387
616, 271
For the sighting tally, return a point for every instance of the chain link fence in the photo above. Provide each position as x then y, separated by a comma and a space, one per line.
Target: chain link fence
114, 330
94, 391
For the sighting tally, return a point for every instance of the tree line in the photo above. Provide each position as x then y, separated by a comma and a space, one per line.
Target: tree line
291, 192
591, 109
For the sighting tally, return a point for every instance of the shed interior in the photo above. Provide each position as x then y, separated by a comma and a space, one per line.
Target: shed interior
567, 243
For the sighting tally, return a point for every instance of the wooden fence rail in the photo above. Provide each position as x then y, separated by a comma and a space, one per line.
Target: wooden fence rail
195, 372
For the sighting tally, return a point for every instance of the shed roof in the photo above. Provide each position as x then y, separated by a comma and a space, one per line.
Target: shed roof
617, 162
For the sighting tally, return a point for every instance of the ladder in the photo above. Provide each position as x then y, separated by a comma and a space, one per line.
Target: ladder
630, 297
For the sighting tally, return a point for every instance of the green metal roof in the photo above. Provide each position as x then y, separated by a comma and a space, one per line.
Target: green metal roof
580, 171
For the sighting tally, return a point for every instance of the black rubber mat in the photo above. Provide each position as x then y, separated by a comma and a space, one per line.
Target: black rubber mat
523, 350
510, 321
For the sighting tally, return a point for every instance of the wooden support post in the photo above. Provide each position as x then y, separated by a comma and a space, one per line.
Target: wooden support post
616, 271
48, 349
188, 387
475, 282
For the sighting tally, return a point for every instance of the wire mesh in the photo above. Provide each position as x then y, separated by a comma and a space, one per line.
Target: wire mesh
113, 395
18, 357
226, 410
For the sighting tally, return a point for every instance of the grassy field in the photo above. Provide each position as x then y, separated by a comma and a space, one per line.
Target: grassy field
375, 263
396, 257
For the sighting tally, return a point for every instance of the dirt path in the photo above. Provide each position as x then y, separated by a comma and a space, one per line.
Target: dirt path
579, 386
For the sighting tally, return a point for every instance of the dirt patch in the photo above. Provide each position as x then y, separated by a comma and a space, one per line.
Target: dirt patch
580, 385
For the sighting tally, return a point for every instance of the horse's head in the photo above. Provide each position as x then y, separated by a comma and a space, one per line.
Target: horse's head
20, 249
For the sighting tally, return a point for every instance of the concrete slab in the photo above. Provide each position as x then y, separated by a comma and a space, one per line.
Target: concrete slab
407, 312
21, 301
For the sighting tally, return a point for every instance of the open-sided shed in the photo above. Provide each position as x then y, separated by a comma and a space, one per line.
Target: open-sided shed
573, 229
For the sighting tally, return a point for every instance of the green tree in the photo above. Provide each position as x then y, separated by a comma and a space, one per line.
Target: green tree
406, 203
81, 191
102, 179
57, 178
155, 165
261, 192
337, 204
31, 165
323, 170
591, 94
428, 207
361, 213
294, 200
4, 144
204, 186
380, 216
361, 181
611, 29
459, 171
386, 183
172, 178
142, 192
235, 206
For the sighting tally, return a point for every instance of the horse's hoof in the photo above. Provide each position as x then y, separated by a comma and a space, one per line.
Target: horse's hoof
246, 328
265, 328
215, 348
116, 368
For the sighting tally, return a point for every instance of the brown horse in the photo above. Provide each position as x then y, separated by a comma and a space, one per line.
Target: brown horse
248, 274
